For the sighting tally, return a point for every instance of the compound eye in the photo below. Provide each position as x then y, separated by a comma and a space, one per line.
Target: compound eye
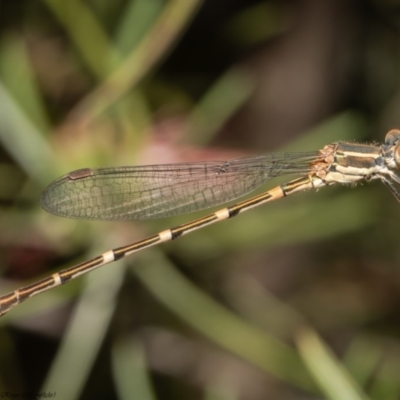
392, 137
396, 154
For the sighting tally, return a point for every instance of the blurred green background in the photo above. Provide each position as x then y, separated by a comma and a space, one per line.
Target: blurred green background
299, 299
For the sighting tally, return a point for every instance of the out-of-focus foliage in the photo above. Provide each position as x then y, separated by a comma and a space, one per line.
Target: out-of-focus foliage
297, 299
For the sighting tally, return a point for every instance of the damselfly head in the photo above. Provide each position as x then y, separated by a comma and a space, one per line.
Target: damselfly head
391, 149
392, 137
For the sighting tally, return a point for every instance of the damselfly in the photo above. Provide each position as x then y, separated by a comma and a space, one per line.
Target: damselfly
157, 191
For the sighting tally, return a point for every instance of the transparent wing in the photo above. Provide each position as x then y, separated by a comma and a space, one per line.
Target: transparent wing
156, 191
